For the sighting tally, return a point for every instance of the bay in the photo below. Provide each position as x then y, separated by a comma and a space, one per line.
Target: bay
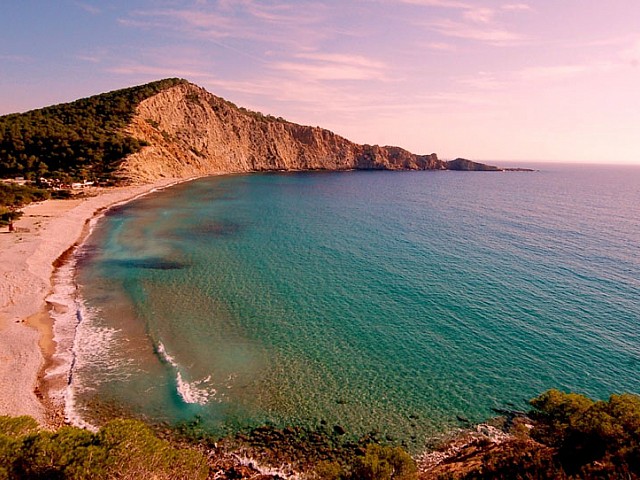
389, 301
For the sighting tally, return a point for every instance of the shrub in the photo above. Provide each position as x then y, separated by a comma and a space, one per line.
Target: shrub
329, 470
576, 437
384, 463
123, 449
135, 452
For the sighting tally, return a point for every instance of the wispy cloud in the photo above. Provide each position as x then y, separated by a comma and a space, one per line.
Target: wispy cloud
532, 77
321, 67
472, 21
484, 81
89, 58
279, 22
485, 33
16, 58
631, 54
516, 7
89, 8
441, 46
479, 15
139, 69
194, 22
279, 13
437, 3
555, 72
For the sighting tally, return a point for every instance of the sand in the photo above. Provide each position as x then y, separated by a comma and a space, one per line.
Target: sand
44, 233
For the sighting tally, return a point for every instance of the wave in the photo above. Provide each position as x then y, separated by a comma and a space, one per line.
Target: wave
190, 392
79, 342
67, 312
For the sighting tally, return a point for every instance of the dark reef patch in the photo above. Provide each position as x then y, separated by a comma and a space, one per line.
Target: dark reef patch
147, 263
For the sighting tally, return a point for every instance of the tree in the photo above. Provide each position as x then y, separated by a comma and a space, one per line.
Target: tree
13, 198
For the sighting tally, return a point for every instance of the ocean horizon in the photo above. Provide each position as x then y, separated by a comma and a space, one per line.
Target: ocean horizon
389, 301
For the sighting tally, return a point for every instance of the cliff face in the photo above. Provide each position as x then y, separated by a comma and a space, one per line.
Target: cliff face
192, 132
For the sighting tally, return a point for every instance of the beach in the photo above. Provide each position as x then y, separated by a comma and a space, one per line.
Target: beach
28, 258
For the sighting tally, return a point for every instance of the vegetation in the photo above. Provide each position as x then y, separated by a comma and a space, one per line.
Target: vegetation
81, 140
13, 197
328, 453
123, 449
573, 437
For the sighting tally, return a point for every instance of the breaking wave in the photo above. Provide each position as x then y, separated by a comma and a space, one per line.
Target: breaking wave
191, 392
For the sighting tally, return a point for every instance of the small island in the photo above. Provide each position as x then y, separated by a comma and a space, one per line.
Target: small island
462, 164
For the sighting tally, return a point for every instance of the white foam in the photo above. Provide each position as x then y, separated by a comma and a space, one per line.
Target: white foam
79, 342
195, 392
65, 316
71, 412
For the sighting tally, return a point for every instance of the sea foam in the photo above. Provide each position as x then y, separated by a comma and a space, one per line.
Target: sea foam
190, 392
78, 341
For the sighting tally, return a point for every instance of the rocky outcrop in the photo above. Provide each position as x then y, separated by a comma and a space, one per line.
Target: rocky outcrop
190, 132
469, 166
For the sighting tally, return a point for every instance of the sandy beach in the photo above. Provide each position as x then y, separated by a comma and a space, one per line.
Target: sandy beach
27, 261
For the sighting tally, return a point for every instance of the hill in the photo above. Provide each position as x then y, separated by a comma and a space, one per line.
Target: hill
192, 132
172, 128
82, 140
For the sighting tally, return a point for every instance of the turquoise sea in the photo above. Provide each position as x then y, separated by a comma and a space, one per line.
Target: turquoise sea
389, 301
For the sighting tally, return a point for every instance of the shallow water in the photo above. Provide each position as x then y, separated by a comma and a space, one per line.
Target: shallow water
375, 300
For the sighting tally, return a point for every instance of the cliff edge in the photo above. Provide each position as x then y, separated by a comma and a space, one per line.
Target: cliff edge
189, 132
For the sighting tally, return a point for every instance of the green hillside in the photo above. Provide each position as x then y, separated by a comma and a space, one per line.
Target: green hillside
79, 140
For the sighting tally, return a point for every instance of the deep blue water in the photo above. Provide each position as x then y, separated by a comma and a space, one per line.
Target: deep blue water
375, 300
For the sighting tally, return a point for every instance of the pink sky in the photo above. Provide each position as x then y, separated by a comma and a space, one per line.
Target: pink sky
487, 80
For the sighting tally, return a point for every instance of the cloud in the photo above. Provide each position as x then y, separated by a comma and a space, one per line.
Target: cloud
92, 9
156, 71
474, 22
16, 58
89, 58
281, 13
441, 46
320, 67
157, 62
531, 77
484, 33
631, 55
484, 81
277, 22
438, 3
479, 15
516, 7
565, 72
193, 22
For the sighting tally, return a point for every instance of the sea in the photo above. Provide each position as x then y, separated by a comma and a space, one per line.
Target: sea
402, 303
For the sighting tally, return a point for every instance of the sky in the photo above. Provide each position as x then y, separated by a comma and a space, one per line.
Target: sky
503, 80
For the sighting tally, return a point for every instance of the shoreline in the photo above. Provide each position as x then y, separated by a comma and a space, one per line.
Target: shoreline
48, 232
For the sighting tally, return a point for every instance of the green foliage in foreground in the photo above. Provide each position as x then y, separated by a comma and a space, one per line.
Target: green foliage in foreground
124, 449
573, 437
379, 462
80, 140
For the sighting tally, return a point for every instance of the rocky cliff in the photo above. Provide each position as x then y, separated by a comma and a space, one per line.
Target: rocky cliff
191, 132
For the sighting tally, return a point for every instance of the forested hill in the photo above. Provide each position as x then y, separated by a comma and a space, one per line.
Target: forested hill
82, 140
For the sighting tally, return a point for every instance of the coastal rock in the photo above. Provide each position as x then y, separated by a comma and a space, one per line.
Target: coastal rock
470, 166
190, 132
